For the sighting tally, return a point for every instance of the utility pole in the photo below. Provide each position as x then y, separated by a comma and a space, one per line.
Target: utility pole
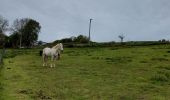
90, 30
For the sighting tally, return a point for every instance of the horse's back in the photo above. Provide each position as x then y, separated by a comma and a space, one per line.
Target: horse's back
47, 51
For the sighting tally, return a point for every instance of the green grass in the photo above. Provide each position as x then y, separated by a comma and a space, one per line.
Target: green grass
138, 73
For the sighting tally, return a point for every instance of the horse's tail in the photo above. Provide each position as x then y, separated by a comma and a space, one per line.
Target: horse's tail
40, 52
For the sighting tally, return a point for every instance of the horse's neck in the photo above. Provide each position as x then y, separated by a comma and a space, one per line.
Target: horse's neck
57, 46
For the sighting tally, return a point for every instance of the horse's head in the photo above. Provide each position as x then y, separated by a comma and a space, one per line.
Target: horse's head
61, 47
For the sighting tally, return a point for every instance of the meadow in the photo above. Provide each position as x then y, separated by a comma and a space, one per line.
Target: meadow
91, 73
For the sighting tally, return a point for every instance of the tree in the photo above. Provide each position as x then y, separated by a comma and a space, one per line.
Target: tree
40, 42
27, 29
14, 39
19, 24
81, 39
30, 32
3, 25
17, 28
121, 38
3, 28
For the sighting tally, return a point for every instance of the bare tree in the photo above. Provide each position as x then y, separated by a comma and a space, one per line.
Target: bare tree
27, 30
121, 37
3, 27
3, 24
18, 26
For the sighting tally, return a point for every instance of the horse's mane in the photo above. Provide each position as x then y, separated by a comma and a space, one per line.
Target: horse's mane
56, 46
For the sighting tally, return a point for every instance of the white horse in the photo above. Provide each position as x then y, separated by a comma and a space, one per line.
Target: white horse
54, 52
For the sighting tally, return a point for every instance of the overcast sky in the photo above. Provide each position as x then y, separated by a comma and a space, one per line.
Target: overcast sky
136, 19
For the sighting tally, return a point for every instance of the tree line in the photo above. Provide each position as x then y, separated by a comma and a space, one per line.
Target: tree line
74, 39
23, 32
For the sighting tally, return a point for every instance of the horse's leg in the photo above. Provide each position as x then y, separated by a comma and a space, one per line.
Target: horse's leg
43, 60
58, 56
46, 60
52, 59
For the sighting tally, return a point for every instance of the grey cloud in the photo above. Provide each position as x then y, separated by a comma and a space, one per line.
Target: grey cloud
137, 19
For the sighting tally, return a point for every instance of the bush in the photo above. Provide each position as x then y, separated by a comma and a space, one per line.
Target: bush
81, 39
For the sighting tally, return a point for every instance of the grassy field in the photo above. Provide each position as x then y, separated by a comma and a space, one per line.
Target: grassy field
136, 73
